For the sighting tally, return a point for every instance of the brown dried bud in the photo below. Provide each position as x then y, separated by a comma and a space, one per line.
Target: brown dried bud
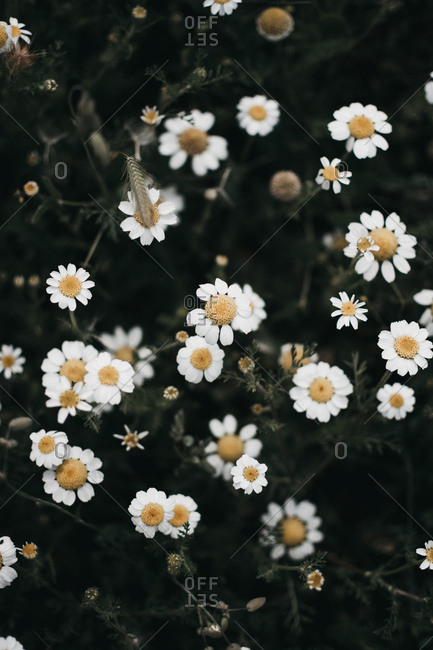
275, 23
285, 186
92, 593
19, 424
225, 622
174, 563
255, 604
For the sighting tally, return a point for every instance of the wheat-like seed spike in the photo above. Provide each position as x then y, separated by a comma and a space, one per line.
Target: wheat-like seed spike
138, 185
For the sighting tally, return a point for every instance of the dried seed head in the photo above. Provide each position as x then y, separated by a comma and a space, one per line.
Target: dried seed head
139, 12
91, 593
257, 409
174, 564
255, 604
182, 336
285, 186
245, 365
275, 23
19, 424
50, 85
139, 182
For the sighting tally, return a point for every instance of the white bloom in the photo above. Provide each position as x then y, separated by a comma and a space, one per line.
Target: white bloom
362, 127
333, 175
428, 89
425, 298
67, 285
258, 115
49, 448
349, 310
426, 552
10, 643
108, 377
198, 359
151, 116
126, 347
292, 529
249, 475
226, 308
221, 7
74, 477
8, 556
131, 439
69, 362
395, 401
68, 397
187, 136
11, 361
17, 31
151, 512
315, 580
391, 238
257, 304
230, 445
6, 41
320, 390
185, 511
162, 216
405, 347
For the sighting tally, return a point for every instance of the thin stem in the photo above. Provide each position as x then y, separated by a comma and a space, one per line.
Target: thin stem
94, 246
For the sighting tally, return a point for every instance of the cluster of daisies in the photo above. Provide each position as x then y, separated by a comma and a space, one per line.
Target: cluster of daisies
11, 33
153, 511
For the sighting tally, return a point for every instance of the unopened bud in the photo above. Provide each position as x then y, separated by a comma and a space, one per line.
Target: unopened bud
255, 604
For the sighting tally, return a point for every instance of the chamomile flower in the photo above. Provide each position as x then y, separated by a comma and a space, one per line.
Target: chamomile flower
131, 439
126, 347
185, 512
349, 310
428, 89
108, 378
360, 242
5, 37
10, 643
49, 448
320, 391
425, 298
258, 115
11, 361
362, 127
405, 347
226, 308
74, 477
67, 285
199, 359
188, 136
315, 580
70, 398
427, 553
395, 401
162, 214
249, 475
70, 362
18, 32
257, 304
333, 174
8, 556
151, 116
151, 512
222, 7
230, 445
29, 551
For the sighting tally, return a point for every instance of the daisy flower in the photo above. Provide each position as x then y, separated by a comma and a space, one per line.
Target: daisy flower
315, 580
287, 361
362, 127
320, 391
17, 31
360, 242
67, 285
188, 136
162, 214
395, 401
5, 37
151, 116
151, 512
222, 7
74, 477
11, 361
230, 445
185, 512
257, 304
8, 556
48, 448
349, 310
29, 551
249, 475
126, 347
107, 377
425, 298
199, 359
70, 398
226, 308
405, 347
291, 529
258, 115
10, 643
428, 89
426, 552
333, 175
69, 362
394, 246
131, 439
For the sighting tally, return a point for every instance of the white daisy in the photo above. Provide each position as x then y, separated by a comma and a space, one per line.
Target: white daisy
199, 359
394, 245
426, 552
74, 477
67, 285
185, 512
222, 7
162, 215
257, 304
187, 136
230, 445
69, 362
151, 512
68, 397
362, 127
360, 242
226, 308
428, 89
131, 439
151, 116
6, 41
108, 377
11, 361
258, 115
333, 175
8, 556
49, 448
249, 475
349, 310
10, 643
126, 347
18, 32
315, 580
291, 529
395, 401
405, 347
320, 390
425, 298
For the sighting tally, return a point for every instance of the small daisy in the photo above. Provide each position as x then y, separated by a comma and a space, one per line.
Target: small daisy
258, 115
162, 215
426, 552
74, 477
349, 310
11, 361
69, 362
48, 448
126, 347
425, 298
428, 89
226, 308
108, 377
170, 393
131, 439
29, 551
188, 136
287, 361
405, 347
222, 7
394, 246
360, 242
151, 116
362, 127
315, 580
151, 512
8, 556
68, 397
395, 401
333, 175
18, 32
185, 512
249, 475
199, 359
320, 390
230, 445
5, 37
291, 529
10, 643
257, 304
67, 285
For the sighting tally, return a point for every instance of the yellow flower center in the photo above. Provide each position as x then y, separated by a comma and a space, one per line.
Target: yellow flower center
70, 286
230, 448
348, 309
46, 445
3, 40
131, 439
321, 390
275, 21
74, 370
429, 554
193, 141
152, 514
406, 347
108, 375
286, 360
15, 31
396, 400
201, 358
387, 242
258, 112
330, 173
68, 399
155, 216
31, 188
292, 531
8, 361
364, 244
250, 473
151, 116
315, 580
221, 2
361, 127
181, 516
29, 551
220, 309
125, 354
71, 474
